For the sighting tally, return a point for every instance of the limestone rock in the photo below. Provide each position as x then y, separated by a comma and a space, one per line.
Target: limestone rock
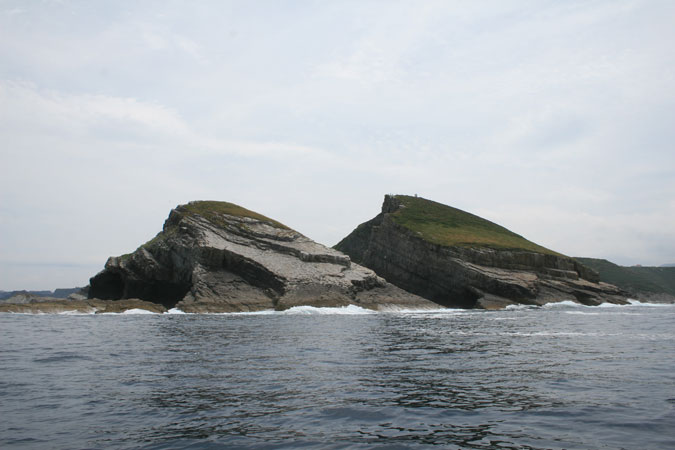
219, 257
409, 249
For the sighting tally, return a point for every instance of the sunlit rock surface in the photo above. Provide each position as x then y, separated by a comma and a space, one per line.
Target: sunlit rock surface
219, 257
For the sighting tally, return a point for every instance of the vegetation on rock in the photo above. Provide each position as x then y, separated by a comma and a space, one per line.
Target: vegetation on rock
634, 279
444, 225
213, 212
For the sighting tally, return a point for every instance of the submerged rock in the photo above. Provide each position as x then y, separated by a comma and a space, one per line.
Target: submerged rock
219, 257
90, 306
460, 260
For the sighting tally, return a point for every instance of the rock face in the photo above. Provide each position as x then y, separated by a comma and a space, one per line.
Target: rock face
426, 248
219, 257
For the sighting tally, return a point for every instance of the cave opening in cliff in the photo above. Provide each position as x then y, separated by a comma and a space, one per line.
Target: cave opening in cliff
107, 286
466, 299
165, 293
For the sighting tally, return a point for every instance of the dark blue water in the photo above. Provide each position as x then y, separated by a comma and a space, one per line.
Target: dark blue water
549, 378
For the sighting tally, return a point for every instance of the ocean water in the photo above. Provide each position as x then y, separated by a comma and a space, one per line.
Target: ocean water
557, 377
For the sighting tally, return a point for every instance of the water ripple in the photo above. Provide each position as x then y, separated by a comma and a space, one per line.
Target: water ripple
518, 379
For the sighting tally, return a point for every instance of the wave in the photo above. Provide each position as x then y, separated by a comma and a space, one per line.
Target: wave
342, 310
384, 309
564, 304
128, 312
295, 310
657, 305
404, 310
76, 313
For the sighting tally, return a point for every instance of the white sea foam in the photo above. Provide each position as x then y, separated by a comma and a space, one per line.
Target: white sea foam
137, 311
517, 307
175, 311
76, 313
564, 303
658, 305
340, 310
302, 310
343, 310
403, 310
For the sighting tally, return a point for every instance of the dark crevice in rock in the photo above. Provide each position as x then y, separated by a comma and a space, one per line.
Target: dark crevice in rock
165, 293
111, 285
107, 285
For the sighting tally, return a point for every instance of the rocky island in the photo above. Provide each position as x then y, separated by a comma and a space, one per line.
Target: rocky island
457, 259
220, 257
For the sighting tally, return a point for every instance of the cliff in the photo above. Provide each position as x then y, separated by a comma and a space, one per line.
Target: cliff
458, 259
220, 257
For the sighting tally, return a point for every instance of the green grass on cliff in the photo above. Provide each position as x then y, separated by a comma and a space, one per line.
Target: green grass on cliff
212, 210
448, 226
636, 278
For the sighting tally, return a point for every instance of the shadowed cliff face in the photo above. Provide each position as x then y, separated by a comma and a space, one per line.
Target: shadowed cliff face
215, 256
465, 275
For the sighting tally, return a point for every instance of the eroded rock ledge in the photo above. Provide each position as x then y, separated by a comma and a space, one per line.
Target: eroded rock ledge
218, 257
90, 306
470, 276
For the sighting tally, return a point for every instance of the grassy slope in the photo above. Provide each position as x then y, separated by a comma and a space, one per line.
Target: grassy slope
649, 279
211, 210
448, 226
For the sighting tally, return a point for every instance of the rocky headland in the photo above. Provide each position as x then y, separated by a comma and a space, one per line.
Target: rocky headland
457, 259
220, 257
644, 283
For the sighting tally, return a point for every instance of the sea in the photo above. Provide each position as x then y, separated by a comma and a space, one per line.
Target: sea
563, 376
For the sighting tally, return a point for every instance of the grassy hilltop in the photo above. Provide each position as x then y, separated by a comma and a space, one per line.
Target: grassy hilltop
212, 210
448, 226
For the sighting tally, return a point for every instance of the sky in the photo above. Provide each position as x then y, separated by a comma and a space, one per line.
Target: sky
553, 119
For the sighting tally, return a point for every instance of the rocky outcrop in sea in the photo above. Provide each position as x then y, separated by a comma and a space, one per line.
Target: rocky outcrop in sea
219, 257
404, 244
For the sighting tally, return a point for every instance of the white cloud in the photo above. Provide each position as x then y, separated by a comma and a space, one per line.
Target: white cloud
546, 117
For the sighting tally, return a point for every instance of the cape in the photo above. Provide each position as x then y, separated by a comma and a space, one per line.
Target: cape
457, 259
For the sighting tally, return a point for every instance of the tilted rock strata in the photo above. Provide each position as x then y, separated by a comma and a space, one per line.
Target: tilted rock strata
227, 263
471, 277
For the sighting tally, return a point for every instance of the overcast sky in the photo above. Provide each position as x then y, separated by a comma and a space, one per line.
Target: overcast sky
554, 119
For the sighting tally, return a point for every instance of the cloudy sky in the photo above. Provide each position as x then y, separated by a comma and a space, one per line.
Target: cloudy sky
554, 119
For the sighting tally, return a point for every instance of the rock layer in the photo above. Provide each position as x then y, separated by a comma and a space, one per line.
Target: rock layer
470, 276
218, 257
